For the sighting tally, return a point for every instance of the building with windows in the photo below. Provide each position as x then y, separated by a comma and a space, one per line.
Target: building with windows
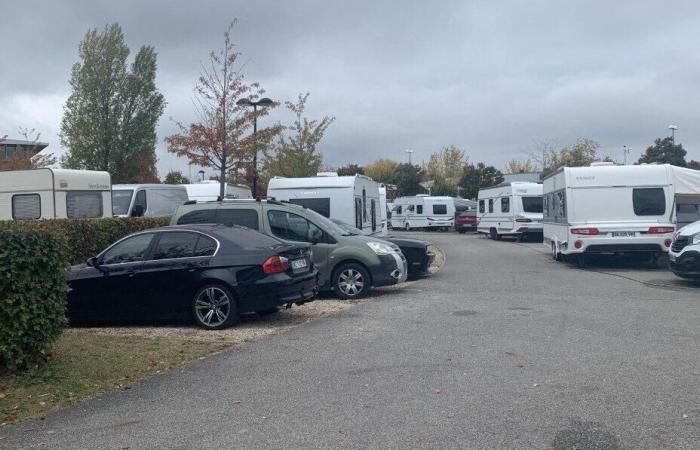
10, 147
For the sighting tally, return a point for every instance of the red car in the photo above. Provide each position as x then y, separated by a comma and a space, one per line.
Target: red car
465, 215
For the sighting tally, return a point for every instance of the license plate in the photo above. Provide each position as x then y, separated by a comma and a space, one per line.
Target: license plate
298, 264
623, 234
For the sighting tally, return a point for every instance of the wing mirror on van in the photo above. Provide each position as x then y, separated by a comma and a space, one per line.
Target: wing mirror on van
137, 211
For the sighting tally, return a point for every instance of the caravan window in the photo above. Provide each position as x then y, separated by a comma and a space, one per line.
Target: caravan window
649, 201
410, 208
397, 210
419, 209
83, 205
439, 209
482, 206
505, 204
26, 206
490, 205
320, 205
532, 204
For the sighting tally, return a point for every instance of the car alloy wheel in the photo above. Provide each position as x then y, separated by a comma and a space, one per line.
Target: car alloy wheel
351, 281
214, 307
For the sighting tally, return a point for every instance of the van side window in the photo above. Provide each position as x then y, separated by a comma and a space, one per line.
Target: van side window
285, 225
490, 205
199, 216
482, 206
439, 209
505, 204
26, 206
83, 205
649, 201
243, 217
419, 209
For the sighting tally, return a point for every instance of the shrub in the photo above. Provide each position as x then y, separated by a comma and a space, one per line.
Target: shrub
33, 290
84, 238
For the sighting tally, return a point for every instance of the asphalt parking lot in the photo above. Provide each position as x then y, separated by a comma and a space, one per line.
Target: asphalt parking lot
502, 348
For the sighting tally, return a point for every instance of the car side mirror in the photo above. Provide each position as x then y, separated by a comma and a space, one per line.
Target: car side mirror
92, 262
137, 211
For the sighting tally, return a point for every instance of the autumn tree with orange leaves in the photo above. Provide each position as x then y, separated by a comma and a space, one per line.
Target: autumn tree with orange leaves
26, 157
221, 137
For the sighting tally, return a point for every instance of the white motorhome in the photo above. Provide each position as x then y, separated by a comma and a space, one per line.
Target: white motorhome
423, 211
147, 200
618, 209
510, 209
208, 191
351, 199
55, 194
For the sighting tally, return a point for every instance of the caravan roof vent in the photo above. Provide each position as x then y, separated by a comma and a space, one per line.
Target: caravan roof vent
602, 163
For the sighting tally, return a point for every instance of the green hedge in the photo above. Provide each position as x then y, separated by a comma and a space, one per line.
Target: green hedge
33, 290
84, 238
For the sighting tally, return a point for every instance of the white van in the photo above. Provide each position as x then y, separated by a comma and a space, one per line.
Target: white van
350, 199
423, 211
55, 194
510, 209
618, 209
208, 191
147, 200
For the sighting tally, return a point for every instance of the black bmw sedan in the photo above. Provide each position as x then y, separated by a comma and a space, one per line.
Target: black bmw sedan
419, 253
211, 273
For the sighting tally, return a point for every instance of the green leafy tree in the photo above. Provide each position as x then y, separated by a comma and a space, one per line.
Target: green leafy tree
382, 171
350, 169
408, 178
478, 176
664, 151
109, 120
446, 165
443, 187
176, 177
517, 166
582, 153
296, 155
692, 164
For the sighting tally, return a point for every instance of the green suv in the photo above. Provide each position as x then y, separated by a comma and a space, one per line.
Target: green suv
349, 265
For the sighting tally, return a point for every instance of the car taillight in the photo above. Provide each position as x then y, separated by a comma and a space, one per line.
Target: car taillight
523, 220
661, 230
586, 231
275, 264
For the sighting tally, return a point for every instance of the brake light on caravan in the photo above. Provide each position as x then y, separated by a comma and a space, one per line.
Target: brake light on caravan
586, 231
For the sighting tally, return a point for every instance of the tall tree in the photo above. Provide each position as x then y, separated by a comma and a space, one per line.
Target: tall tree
176, 177
408, 178
478, 176
518, 166
582, 153
446, 165
295, 154
382, 171
350, 169
221, 136
109, 120
664, 151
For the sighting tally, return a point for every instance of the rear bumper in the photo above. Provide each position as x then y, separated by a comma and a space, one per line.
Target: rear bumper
685, 264
278, 290
642, 244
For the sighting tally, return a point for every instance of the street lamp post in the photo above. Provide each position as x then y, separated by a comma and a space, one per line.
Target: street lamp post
410, 152
673, 129
263, 102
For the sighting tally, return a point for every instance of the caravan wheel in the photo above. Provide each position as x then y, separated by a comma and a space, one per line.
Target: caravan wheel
493, 234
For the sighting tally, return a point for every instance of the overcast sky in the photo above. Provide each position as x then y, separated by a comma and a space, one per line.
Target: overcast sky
492, 77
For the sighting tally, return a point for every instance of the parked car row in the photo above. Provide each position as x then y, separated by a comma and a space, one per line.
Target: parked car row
220, 259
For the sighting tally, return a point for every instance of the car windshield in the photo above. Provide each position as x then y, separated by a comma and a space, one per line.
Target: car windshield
350, 229
326, 223
121, 199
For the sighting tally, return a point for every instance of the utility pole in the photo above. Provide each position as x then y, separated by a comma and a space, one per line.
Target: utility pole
409, 155
673, 129
626, 151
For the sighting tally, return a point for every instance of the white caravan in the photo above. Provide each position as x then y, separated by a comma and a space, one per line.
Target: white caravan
423, 211
351, 199
618, 209
208, 191
147, 200
55, 194
510, 209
